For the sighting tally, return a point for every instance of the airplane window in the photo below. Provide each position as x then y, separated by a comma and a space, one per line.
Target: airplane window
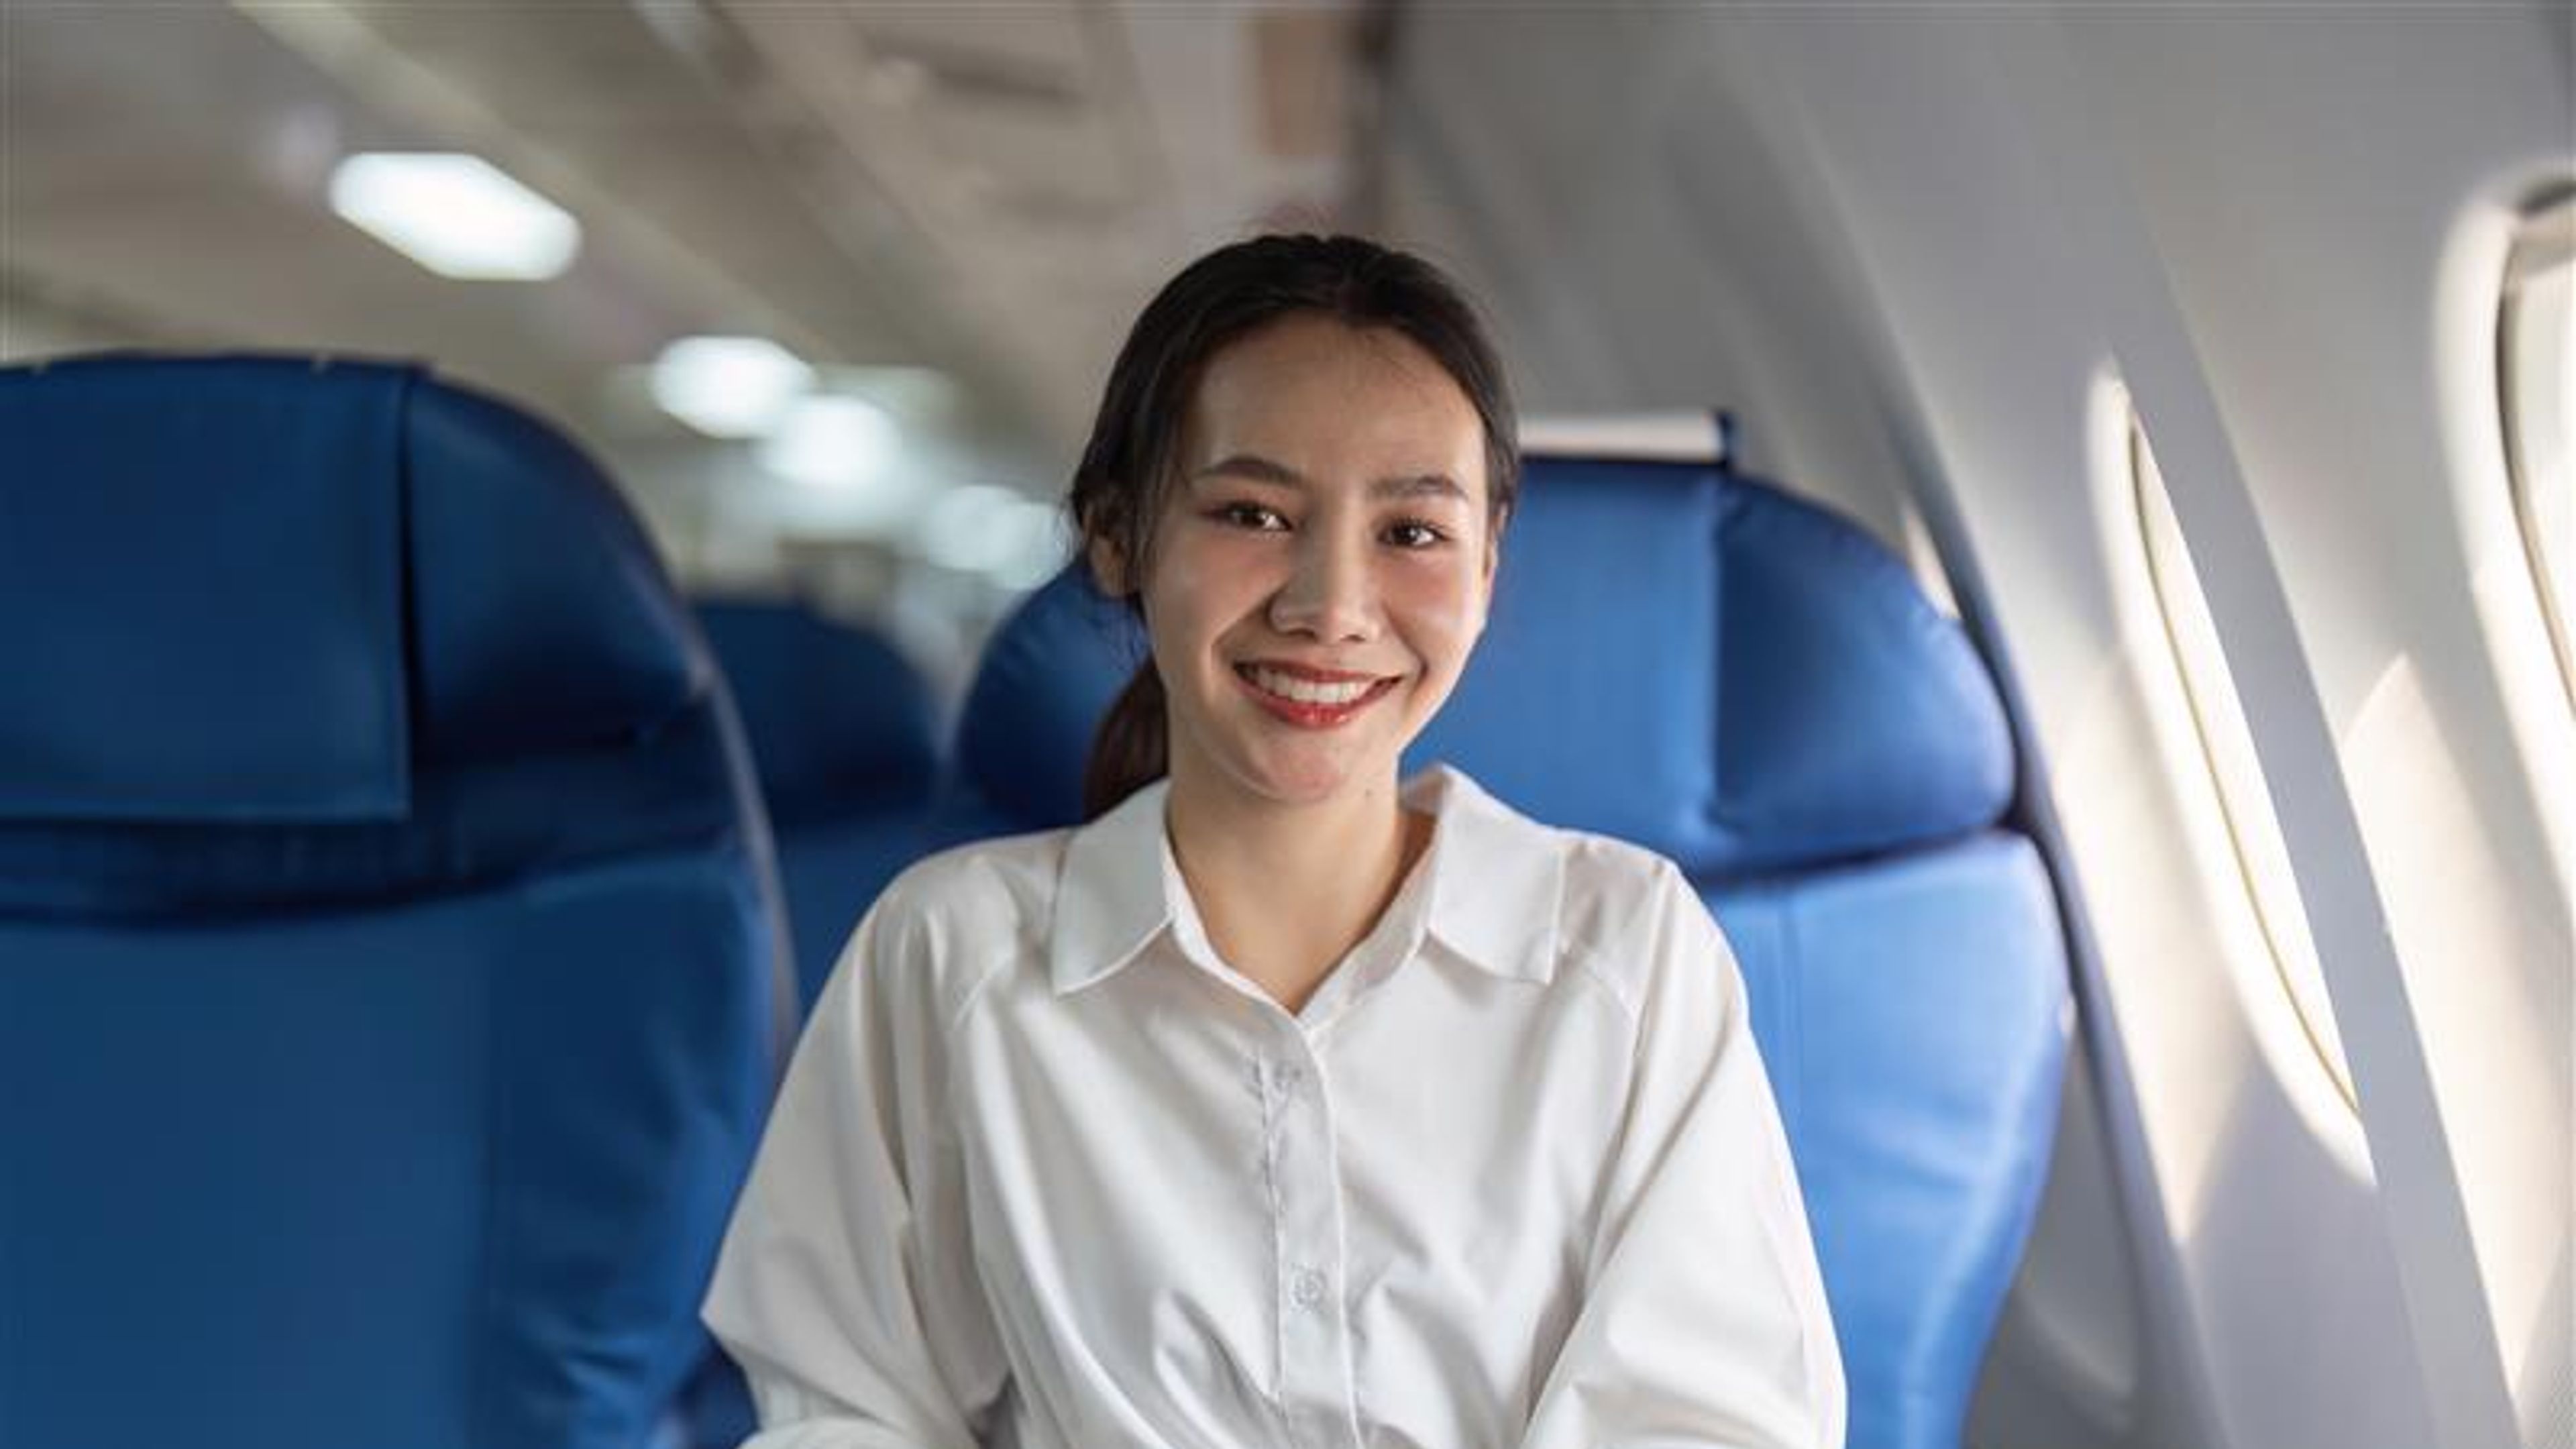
2228, 746
2537, 348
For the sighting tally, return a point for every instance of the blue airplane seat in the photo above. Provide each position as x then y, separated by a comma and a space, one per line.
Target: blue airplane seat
1700, 663
845, 736
844, 733
391, 975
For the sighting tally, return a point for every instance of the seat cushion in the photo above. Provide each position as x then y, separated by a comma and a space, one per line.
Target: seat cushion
384, 1178
1914, 1014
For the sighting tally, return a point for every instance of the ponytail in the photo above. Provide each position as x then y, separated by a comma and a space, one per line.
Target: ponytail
1132, 747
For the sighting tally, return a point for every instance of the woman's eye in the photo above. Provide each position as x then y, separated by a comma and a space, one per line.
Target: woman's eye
1249, 515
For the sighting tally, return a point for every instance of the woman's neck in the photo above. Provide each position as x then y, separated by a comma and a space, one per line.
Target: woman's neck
1285, 891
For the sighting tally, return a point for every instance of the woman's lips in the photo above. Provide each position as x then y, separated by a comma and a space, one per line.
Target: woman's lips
1308, 714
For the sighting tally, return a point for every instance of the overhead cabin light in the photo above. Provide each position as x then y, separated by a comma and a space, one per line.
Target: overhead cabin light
1015, 542
1040, 547
972, 528
460, 216
729, 387
833, 444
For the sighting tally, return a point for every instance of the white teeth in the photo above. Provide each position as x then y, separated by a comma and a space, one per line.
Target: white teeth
1307, 691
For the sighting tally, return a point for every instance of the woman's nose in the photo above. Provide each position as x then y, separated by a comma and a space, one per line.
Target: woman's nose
1329, 593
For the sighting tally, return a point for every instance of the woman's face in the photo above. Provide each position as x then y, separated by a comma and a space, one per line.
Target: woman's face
1321, 568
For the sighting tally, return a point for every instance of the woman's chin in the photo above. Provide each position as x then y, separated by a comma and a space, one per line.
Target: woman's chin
1299, 771
1319, 780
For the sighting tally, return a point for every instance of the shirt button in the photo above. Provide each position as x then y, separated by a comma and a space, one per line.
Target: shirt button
1289, 1077
1308, 1289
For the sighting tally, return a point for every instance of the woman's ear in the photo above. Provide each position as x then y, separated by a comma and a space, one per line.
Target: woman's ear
1108, 567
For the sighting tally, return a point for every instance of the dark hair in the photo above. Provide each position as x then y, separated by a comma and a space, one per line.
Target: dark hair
1126, 472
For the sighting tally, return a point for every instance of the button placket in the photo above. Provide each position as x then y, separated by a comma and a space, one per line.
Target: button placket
1315, 1387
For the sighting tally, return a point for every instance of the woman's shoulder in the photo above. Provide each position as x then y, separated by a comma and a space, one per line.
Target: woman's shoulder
1607, 898
957, 915
980, 874
1628, 912
1591, 865
1610, 882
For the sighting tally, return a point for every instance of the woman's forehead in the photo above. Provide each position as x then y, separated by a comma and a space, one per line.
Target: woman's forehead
1323, 401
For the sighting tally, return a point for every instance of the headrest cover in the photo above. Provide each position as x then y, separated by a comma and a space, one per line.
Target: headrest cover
545, 622
839, 721
201, 592
1048, 675
282, 634
1676, 655
206, 566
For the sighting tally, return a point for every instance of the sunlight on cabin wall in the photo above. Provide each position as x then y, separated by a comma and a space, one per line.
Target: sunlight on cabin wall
2539, 356
2494, 986
2490, 1010
2239, 1006
2168, 905
2209, 750
2475, 415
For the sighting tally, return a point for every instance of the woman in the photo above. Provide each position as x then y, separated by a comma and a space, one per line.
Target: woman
1282, 1104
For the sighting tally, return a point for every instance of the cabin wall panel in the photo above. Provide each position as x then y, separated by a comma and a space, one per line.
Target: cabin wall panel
2307, 185
1663, 181
1895, 224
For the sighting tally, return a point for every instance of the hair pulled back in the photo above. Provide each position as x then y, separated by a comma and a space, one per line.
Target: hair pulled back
1128, 468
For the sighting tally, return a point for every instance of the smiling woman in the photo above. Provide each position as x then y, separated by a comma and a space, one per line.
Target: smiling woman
1120, 1134
1376, 361
1340, 590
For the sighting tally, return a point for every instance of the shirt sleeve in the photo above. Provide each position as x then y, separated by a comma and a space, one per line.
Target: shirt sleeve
846, 1287
1703, 1323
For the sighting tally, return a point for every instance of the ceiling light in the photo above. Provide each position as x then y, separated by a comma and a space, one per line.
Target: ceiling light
729, 387
1039, 550
1015, 542
832, 444
972, 528
459, 216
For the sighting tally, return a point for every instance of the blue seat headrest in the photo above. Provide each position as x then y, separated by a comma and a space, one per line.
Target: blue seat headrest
300, 620
1690, 625
840, 722
1047, 676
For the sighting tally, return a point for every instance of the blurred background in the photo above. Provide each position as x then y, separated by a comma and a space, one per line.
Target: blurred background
830, 289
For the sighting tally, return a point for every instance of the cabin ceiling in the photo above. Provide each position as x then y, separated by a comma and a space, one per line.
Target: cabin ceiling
989, 190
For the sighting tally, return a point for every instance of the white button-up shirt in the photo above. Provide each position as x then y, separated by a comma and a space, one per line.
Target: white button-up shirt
1045, 1172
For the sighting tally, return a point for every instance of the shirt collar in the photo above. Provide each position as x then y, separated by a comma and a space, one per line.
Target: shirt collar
1495, 878
1113, 896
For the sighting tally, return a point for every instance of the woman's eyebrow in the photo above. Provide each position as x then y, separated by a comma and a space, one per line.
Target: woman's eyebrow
1258, 469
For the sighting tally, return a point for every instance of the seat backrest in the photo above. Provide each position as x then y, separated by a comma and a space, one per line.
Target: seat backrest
389, 964
1699, 663
844, 733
